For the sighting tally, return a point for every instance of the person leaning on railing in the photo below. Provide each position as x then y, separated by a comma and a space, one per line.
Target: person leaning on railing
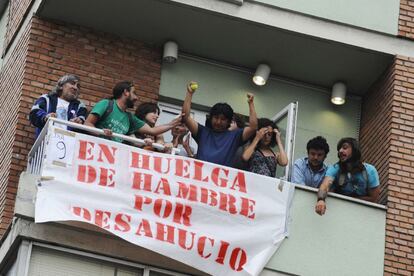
111, 115
349, 176
149, 113
62, 103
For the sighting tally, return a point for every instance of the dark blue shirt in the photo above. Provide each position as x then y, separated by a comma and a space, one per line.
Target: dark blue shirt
47, 104
218, 147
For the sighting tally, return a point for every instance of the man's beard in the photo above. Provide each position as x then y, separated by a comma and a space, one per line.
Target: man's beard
70, 97
74, 97
129, 103
347, 164
318, 164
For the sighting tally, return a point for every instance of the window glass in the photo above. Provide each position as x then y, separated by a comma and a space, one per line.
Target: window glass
45, 262
3, 27
170, 111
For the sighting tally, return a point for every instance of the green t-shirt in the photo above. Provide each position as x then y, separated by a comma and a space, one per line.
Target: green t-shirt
117, 120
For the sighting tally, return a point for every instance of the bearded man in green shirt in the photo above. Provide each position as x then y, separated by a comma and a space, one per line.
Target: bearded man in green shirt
112, 116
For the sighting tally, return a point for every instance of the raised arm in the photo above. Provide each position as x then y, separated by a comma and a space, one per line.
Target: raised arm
190, 122
146, 129
320, 207
249, 150
282, 159
250, 130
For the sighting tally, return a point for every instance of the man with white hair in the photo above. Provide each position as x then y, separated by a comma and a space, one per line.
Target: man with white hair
62, 103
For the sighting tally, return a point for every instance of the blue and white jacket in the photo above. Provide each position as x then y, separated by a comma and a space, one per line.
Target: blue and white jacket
47, 104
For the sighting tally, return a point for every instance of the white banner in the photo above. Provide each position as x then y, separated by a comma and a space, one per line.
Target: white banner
217, 219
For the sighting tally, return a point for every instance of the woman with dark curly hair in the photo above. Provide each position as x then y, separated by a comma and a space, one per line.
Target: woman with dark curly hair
259, 154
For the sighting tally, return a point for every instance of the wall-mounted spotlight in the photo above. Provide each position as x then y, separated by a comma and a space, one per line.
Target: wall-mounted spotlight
338, 93
170, 52
262, 74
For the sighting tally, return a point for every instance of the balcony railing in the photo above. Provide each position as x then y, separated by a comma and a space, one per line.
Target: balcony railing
36, 154
351, 236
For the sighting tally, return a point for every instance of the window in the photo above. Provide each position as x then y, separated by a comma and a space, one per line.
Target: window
44, 262
58, 261
286, 121
4, 15
170, 111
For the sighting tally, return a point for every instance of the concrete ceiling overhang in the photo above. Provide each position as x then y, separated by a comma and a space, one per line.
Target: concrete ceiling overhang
227, 39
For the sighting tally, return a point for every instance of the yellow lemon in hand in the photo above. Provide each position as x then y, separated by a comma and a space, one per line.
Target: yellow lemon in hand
194, 86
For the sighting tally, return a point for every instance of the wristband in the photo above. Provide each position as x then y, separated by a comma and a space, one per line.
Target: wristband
322, 195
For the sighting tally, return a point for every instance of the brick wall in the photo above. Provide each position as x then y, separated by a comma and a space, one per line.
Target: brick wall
406, 19
376, 118
17, 12
387, 134
399, 87
11, 81
99, 59
399, 245
54, 49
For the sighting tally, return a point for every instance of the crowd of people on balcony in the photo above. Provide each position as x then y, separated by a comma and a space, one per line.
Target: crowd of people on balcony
223, 140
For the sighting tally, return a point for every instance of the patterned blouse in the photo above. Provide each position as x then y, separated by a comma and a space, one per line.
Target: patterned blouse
264, 165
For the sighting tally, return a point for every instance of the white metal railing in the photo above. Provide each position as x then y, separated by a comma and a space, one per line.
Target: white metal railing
36, 154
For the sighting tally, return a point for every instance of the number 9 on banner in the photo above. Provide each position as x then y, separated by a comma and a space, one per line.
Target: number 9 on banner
61, 147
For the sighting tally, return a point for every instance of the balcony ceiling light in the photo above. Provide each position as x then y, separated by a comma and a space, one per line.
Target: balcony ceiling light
262, 74
170, 54
338, 93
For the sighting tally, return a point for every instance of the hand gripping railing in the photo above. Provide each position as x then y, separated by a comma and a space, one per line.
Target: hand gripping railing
36, 154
